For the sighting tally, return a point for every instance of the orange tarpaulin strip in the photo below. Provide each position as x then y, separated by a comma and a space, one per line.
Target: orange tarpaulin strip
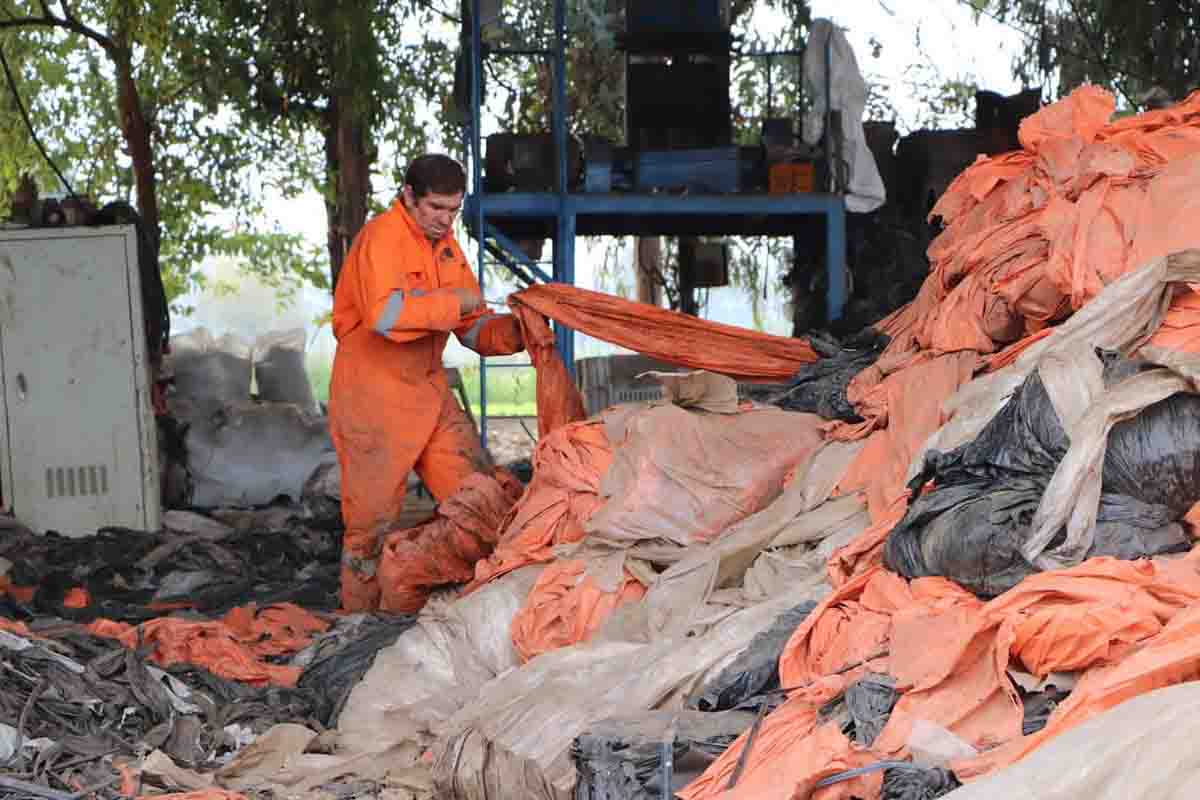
669, 335
235, 647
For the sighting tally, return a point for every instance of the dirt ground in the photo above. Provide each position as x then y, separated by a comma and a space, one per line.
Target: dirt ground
508, 441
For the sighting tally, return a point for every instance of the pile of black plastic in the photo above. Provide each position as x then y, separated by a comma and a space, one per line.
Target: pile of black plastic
970, 527
127, 574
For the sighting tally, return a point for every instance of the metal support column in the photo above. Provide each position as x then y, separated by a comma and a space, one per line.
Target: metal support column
564, 243
476, 134
835, 260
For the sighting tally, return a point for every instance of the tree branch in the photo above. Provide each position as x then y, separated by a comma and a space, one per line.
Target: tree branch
67, 23
1096, 52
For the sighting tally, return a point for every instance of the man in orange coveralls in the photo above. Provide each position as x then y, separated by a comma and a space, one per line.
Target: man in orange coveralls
405, 286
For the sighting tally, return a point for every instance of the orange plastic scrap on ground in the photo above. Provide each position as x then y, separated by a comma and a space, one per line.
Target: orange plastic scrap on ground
566, 606
22, 594
564, 493
1129, 626
234, 647
445, 550
668, 335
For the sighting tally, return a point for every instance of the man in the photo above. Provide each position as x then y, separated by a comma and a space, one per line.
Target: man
404, 288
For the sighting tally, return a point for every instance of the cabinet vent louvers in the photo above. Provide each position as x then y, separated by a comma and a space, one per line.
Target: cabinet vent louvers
84, 481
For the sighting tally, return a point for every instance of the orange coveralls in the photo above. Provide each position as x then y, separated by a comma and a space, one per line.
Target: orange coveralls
390, 405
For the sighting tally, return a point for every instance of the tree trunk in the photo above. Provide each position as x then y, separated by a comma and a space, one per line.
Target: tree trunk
348, 166
688, 302
137, 138
647, 264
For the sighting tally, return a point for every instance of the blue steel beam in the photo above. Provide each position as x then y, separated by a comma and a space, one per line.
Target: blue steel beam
515, 252
564, 245
533, 205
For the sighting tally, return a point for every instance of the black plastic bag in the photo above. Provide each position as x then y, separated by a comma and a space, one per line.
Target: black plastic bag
756, 669
337, 662
869, 703
971, 526
820, 387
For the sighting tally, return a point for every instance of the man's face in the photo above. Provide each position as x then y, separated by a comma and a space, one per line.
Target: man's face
434, 213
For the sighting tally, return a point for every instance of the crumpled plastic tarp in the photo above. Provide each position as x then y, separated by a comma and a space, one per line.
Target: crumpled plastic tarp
515, 740
567, 467
1140, 749
436, 667
1129, 626
567, 606
684, 477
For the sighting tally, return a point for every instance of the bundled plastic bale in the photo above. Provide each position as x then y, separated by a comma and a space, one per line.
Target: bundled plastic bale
444, 550
209, 374
279, 370
567, 606
756, 669
250, 455
651, 755
684, 477
435, 668
974, 526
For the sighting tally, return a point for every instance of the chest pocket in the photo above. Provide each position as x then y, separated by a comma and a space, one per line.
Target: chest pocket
450, 265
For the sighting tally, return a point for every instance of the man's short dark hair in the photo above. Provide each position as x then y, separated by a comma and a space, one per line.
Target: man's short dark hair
435, 173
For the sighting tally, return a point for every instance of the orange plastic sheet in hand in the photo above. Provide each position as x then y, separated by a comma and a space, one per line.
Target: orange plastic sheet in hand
558, 400
668, 335
564, 493
235, 647
566, 606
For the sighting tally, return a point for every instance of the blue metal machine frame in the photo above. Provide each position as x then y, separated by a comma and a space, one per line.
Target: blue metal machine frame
566, 210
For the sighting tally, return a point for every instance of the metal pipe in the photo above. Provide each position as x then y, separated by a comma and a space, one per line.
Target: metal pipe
564, 246
515, 251
477, 189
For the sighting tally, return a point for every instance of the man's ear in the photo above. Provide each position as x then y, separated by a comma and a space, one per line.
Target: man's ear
408, 197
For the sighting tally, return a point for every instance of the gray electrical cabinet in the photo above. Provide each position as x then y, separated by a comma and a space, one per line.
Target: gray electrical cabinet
78, 444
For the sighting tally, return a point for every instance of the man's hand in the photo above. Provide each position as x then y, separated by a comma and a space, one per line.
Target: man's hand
468, 301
